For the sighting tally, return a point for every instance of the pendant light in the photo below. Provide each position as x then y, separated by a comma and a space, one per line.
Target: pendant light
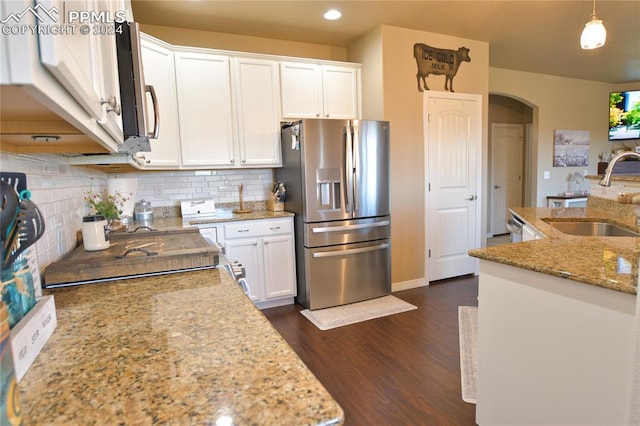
594, 34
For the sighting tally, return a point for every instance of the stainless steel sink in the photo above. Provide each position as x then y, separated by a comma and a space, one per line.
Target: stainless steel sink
592, 229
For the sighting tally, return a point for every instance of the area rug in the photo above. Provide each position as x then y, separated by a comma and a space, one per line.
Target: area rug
468, 330
352, 313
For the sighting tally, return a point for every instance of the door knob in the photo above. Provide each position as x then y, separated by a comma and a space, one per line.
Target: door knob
471, 197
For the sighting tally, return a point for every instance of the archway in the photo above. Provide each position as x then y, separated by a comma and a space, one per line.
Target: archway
512, 159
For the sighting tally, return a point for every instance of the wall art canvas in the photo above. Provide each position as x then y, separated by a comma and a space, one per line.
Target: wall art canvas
570, 148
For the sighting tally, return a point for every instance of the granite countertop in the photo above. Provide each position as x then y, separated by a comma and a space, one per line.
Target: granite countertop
185, 348
609, 262
614, 177
221, 215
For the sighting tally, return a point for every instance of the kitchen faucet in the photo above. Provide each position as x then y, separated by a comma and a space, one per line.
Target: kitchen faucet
606, 180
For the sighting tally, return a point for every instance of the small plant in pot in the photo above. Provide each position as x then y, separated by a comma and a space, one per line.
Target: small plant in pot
110, 206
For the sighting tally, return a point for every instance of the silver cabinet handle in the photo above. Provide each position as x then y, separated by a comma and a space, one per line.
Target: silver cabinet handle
112, 105
496, 187
471, 197
156, 112
273, 228
254, 243
266, 243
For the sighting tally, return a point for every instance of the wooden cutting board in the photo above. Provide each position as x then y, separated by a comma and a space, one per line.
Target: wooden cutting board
165, 251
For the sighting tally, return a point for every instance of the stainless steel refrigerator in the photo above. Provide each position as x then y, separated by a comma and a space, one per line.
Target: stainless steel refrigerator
337, 177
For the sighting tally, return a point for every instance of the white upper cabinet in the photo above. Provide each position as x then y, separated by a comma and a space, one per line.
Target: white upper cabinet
228, 109
157, 59
205, 110
85, 63
340, 88
257, 94
63, 80
301, 90
312, 90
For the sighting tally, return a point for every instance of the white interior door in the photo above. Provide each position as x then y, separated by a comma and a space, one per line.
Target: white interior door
453, 142
506, 173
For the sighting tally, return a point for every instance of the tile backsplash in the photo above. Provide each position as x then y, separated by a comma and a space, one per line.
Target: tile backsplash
58, 190
168, 188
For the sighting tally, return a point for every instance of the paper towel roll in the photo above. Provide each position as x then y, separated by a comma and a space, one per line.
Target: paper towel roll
125, 187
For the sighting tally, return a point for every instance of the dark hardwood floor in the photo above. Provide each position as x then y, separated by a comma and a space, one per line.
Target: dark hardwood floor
398, 370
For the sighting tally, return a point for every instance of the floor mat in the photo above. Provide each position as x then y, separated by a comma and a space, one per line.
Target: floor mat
352, 313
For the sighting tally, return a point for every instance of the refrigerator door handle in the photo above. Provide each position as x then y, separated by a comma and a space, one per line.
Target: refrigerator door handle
349, 227
348, 166
356, 166
351, 251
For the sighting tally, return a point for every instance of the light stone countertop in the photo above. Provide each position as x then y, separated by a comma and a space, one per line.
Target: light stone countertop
609, 262
184, 348
221, 215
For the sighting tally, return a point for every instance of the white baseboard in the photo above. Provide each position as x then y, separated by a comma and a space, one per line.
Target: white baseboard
406, 285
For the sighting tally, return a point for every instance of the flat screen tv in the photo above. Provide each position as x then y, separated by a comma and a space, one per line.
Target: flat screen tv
624, 115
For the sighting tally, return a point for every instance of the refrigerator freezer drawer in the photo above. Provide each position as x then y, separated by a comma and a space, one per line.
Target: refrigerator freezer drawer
346, 231
347, 273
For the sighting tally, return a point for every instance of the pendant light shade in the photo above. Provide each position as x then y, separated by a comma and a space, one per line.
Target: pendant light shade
594, 34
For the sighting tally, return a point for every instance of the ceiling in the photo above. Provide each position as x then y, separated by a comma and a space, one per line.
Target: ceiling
525, 35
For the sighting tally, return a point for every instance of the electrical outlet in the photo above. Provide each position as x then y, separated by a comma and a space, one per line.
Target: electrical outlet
546, 175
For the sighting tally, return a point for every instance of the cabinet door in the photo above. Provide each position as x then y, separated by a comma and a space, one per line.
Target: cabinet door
340, 92
258, 98
69, 57
106, 71
248, 251
204, 109
157, 62
279, 266
301, 90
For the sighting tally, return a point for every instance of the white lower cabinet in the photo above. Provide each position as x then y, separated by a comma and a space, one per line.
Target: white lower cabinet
266, 250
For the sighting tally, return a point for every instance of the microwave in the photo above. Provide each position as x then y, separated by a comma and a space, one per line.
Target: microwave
133, 92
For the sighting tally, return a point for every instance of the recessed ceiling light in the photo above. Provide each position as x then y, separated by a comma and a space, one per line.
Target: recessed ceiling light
332, 15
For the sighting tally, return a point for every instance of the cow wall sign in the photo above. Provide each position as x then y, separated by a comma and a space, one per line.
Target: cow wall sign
431, 60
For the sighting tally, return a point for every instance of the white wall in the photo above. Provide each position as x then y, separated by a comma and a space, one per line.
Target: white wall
559, 103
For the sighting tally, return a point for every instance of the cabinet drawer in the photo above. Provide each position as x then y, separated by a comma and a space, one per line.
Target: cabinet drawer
251, 228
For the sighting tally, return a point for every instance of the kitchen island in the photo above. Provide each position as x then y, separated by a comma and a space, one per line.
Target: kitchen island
556, 323
184, 348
